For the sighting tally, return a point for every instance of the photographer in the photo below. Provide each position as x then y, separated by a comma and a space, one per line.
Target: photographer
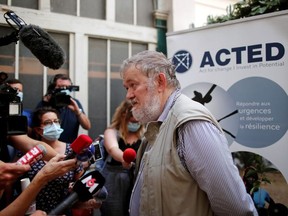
70, 109
13, 125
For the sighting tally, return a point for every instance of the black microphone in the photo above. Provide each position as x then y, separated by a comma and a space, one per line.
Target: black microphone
43, 46
84, 189
38, 41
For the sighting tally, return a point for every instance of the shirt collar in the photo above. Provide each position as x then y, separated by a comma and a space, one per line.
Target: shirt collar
169, 103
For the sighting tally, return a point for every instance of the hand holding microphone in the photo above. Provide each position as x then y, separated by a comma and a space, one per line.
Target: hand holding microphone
80, 145
129, 156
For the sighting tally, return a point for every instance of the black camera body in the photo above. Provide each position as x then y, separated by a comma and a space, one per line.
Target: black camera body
60, 97
11, 120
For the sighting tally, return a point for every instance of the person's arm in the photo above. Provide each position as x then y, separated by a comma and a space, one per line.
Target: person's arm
24, 143
82, 117
209, 161
10, 172
111, 145
54, 168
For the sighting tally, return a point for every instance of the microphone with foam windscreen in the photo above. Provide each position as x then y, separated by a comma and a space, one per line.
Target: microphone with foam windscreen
129, 155
87, 187
33, 155
43, 46
80, 144
38, 41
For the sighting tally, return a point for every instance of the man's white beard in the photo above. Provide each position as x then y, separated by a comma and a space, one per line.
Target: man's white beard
150, 110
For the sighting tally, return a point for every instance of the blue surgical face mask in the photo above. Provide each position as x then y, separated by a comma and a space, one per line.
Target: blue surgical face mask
20, 95
52, 132
133, 126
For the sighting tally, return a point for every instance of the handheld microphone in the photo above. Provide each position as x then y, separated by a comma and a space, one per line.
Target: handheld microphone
33, 155
129, 155
81, 143
84, 189
87, 154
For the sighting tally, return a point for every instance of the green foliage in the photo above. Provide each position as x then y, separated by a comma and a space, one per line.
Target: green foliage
255, 167
248, 8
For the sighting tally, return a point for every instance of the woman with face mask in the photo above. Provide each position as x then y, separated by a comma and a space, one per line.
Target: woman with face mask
124, 132
46, 127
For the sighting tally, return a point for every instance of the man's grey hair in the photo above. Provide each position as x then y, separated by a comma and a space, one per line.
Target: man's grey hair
152, 63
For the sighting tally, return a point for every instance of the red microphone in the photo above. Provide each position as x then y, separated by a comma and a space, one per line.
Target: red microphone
129, 155
80, 143
33, 155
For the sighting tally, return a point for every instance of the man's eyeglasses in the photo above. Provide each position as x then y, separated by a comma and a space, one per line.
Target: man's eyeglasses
49, 122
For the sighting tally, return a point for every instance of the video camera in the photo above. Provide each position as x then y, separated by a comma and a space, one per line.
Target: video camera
60, 97
11, 120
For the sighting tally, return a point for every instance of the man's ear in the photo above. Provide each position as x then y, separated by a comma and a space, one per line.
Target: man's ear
162, 83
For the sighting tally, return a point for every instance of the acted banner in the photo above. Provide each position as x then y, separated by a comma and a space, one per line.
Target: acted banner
239, 71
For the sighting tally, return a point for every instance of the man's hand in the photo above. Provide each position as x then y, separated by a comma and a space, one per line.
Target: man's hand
56, 167
10, 172
73, 106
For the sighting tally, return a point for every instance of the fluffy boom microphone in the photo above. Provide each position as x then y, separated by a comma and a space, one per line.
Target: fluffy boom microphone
84, 189
43, 46
33, 155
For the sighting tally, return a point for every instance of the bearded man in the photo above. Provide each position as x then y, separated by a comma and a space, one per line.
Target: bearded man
184, 165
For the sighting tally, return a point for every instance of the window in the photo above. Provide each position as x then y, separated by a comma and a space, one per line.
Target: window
63, 42
32, 4
97, 81
119, 52
7, 54
136, 48
145, 13
97, 85
93, 9
64, 7
124, 11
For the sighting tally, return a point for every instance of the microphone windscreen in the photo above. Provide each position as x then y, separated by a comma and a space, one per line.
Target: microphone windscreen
88, 185
81, 142
43, 46
33, 155
129, 155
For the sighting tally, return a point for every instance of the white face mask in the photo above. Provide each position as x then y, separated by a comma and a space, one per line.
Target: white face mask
20, 95
52, 132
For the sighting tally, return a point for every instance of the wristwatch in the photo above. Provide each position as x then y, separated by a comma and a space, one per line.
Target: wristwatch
80, 112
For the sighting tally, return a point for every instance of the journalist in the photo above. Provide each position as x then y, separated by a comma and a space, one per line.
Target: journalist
54, 168
70, 109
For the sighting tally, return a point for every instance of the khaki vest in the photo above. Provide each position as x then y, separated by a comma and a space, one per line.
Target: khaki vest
168, 189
